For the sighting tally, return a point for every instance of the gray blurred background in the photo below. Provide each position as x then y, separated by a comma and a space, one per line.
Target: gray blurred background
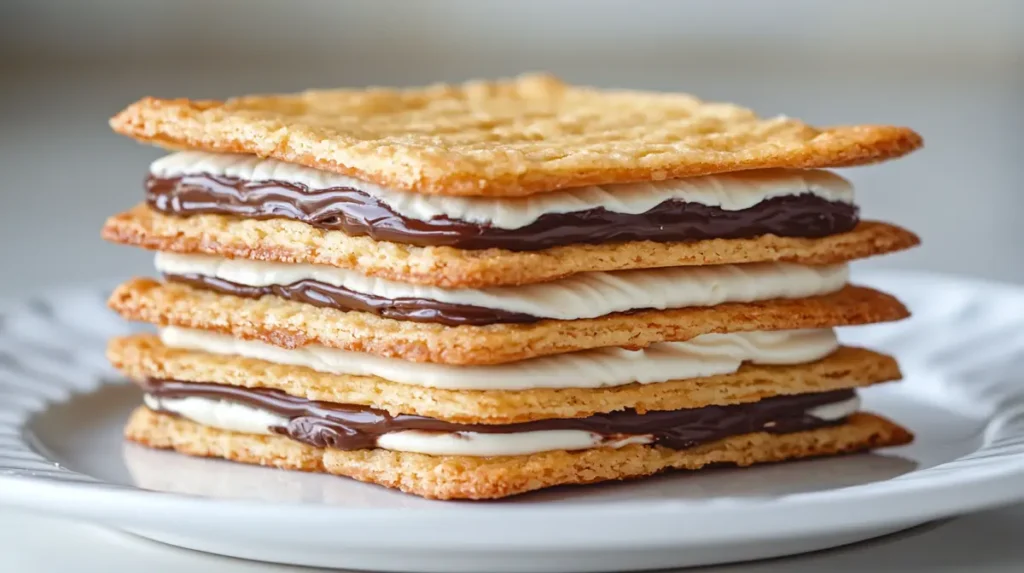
953, 70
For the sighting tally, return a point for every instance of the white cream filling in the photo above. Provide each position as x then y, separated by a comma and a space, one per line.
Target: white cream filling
219, 414
836, 410
241, 418
729, 191
517, 444
706, 355
585, 295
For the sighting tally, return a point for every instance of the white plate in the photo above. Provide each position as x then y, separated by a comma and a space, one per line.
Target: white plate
61, 409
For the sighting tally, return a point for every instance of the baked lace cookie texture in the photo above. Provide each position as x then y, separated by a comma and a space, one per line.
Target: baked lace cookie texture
474, 291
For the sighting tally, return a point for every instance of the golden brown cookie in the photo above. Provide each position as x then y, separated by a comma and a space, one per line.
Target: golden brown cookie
505, 138
286, 241
143, 356
463, 477
292, 324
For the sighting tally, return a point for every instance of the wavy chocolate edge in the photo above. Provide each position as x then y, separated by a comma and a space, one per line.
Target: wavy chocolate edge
357, 213
352, 427
324, 295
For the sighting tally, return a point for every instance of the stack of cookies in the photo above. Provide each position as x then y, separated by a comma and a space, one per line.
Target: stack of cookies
473, 291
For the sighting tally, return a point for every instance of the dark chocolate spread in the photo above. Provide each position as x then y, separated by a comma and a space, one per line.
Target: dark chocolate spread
325, 295
351, 427
357, 213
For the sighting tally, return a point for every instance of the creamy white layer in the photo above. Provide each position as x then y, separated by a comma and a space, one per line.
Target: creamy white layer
585, 295
729, 191
241, 418
705, 355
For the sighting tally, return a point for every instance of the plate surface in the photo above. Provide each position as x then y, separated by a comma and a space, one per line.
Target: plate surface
61, 410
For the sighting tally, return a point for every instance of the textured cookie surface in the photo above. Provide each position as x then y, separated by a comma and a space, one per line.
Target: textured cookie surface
291, 324
143, 356
286, 241
460, 477
511, 137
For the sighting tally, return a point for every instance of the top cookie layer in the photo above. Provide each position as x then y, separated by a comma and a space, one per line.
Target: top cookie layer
505, 138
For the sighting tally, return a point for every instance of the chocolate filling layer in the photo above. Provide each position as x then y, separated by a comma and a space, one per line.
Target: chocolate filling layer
350, 427
357, 213
322, 294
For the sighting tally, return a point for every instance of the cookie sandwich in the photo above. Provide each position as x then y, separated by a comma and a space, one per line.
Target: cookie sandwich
479, 290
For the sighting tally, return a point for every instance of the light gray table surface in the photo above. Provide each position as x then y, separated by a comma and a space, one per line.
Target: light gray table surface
988, 542
62, 172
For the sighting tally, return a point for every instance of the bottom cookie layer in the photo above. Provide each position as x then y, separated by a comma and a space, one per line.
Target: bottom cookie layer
463, 477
